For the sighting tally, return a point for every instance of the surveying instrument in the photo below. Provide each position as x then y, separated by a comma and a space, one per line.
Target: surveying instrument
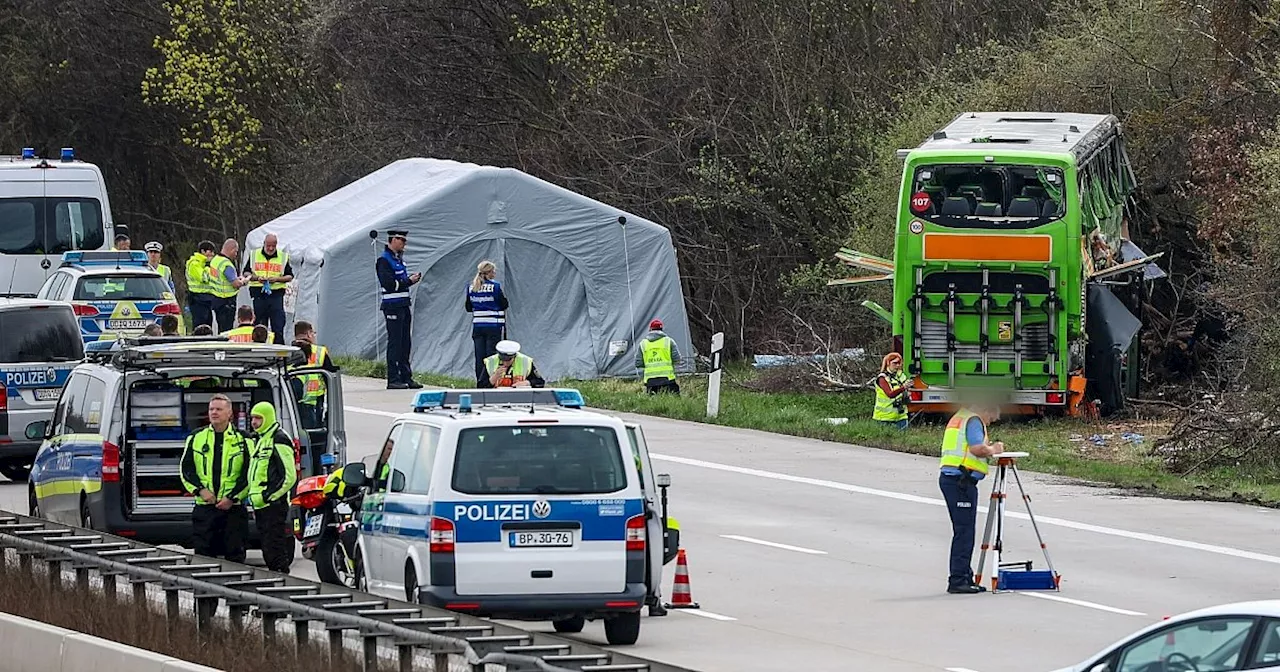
1004, 577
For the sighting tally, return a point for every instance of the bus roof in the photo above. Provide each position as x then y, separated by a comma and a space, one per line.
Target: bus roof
1047, 132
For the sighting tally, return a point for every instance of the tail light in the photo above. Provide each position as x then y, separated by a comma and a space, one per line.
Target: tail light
915, 395
442, 535
635, 533
4, 399
312, 499
297, 455
84, 310
110, 462
1053, 397
167, 309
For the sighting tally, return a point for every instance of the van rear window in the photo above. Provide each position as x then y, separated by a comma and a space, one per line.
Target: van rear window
123, 287
43, 334
555, 459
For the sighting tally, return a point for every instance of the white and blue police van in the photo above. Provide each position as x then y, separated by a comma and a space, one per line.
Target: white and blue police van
515, 503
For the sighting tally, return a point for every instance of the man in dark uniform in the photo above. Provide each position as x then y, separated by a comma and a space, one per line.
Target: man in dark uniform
215, 468
395, 280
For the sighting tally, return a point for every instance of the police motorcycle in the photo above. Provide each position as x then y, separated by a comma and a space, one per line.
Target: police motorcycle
327, 524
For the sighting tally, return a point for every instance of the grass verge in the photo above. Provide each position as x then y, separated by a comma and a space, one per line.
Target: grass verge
1112, 453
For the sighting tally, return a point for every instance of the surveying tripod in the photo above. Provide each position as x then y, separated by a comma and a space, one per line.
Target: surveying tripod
1026, 579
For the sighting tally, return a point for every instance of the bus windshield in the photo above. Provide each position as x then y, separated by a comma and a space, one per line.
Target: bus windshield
50, 225
988, 196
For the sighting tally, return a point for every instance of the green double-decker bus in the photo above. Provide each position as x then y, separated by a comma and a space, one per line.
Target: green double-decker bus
1013, 270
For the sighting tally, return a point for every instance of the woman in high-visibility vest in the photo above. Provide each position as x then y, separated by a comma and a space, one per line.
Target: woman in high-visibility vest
891, 392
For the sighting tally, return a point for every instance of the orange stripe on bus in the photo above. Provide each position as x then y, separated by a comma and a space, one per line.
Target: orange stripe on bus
987, 247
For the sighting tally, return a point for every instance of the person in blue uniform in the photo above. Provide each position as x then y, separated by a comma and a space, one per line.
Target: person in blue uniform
488, 307
395, 280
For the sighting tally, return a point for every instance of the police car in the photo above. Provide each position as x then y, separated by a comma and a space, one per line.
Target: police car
39, 345
515, 503
113, 294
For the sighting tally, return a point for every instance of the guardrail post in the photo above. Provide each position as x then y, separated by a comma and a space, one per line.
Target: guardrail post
237, 618
440, 662
370, 653
109, 586
140, 595
335, 647
406, 657
206, 607
24, 561
269, 628
82, 579
55, 572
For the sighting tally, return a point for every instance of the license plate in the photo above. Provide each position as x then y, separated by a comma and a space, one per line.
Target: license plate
541, 539
116, 325
314, 523
48, 393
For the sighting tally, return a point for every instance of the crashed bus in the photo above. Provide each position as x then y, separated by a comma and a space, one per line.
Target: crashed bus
1013, 271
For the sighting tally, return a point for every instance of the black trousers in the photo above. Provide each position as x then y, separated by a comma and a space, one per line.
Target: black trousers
268, 310
201, 307
961, 495
663, 385
486, 342
277, 538
398, 328
224, 310
220, 534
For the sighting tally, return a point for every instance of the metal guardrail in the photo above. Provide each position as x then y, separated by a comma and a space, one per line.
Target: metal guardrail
253, 592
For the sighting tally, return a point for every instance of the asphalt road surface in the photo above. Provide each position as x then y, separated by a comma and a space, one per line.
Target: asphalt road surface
808, 555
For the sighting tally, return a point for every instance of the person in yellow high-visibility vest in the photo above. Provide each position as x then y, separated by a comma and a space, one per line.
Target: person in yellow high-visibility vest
310, 403
199, 286
891, 392
657, 357
243, 331
965, 449
224, 284
154, 249
512, 368
269, 273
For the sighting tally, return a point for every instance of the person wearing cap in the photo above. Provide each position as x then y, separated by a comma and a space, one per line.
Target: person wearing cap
488, 307
657, 357
122, 243
199, 286
965, 449
511, 368
269, 272
272, 475
394, 279
891, 393
153, 259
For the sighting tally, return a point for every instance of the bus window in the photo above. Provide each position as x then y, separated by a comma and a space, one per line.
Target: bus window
988, 195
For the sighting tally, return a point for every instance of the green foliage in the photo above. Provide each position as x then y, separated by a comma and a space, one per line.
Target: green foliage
225, 63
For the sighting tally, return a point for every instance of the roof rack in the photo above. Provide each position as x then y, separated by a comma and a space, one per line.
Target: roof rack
508, 396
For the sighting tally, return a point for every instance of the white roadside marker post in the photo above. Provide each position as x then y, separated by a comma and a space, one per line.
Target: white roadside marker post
713, 383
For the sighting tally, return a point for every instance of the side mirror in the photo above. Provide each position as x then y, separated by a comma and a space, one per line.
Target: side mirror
37, 430
353, 475
663, 480
397, 480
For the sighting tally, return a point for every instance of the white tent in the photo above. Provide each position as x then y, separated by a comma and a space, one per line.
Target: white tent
582, 286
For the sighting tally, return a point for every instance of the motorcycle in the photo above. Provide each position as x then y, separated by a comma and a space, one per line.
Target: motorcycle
326, 526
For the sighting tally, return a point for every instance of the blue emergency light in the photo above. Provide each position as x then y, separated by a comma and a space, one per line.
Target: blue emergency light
429, 399
570, 398
68, 154
28, 152
326, 459
100, 258
517, 396
464, 403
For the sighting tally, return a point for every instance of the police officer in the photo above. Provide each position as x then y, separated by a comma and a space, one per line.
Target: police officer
272, 475
964, 451
269, 271
511, 368
225, 283
121, 243
215, 468
657, 357
199, 287
154, 249
891, 392
488, 307
243, 331
395, 280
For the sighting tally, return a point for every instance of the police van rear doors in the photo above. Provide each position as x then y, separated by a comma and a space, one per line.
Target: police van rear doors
542, 507
654, 524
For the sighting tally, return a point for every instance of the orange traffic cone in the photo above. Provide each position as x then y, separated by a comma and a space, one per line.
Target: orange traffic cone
681, 596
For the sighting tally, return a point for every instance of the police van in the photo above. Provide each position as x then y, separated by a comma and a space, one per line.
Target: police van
515, 503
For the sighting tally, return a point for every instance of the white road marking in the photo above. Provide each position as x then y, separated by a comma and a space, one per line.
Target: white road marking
1047, 520
1082, 603
762, 542
960, 669
704, 614
901, 496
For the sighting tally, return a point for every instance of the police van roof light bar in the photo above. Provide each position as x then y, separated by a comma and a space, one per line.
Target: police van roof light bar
105, 258
431, 399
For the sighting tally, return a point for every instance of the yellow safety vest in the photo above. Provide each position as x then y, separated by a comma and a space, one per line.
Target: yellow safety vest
268, 268
235, 455
244, 334
165, 273
657, 359
519, 371
885, 410
219, 286
955, 444
314, 383
197, 274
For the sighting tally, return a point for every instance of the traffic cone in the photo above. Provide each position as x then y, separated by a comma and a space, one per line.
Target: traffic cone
681, 596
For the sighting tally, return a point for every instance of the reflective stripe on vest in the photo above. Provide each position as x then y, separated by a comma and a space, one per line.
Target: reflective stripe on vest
518, 373
395, 299
313, 384
234, 454
219, 286
885, 410
485, 310
241, 334
268, 268
198, 274
955, 444
266, 449
657, 359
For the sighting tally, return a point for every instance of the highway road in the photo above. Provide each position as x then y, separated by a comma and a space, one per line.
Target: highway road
809, 555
